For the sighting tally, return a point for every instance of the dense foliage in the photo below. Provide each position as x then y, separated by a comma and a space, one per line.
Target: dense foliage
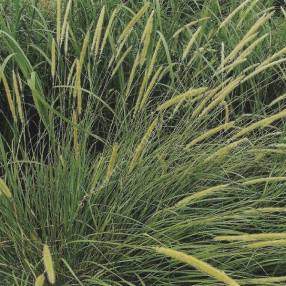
142, 142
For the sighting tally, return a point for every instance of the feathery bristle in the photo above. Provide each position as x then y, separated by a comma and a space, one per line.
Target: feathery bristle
233, 13
98, 32
263, 180
112, 162
121, 60
53, 58
251, 237
245, 13
140, 148
65, 21
191, 43
262, 67
156, 78
40, 280
108, 29
77, 88
127, 30
209, 95
208, 133
132, 74
197, 264
75, 134
220, 96
96, 173
224, 151
189, 25
145, 39
261, 123
59, 15
48, 263
8, 95
83, 51
181, 97
66, 43
18, 98
199, 195
271, 243
147, 75
4, 189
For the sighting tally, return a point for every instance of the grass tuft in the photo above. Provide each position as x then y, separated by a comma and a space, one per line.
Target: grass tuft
131, 125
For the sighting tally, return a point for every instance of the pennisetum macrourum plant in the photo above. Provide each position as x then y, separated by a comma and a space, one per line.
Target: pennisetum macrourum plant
137, 146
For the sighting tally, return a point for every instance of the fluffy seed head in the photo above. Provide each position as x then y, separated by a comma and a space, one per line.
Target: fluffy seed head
48, 263
198, 264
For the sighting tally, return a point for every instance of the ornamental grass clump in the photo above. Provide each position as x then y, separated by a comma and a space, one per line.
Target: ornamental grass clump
142, 143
